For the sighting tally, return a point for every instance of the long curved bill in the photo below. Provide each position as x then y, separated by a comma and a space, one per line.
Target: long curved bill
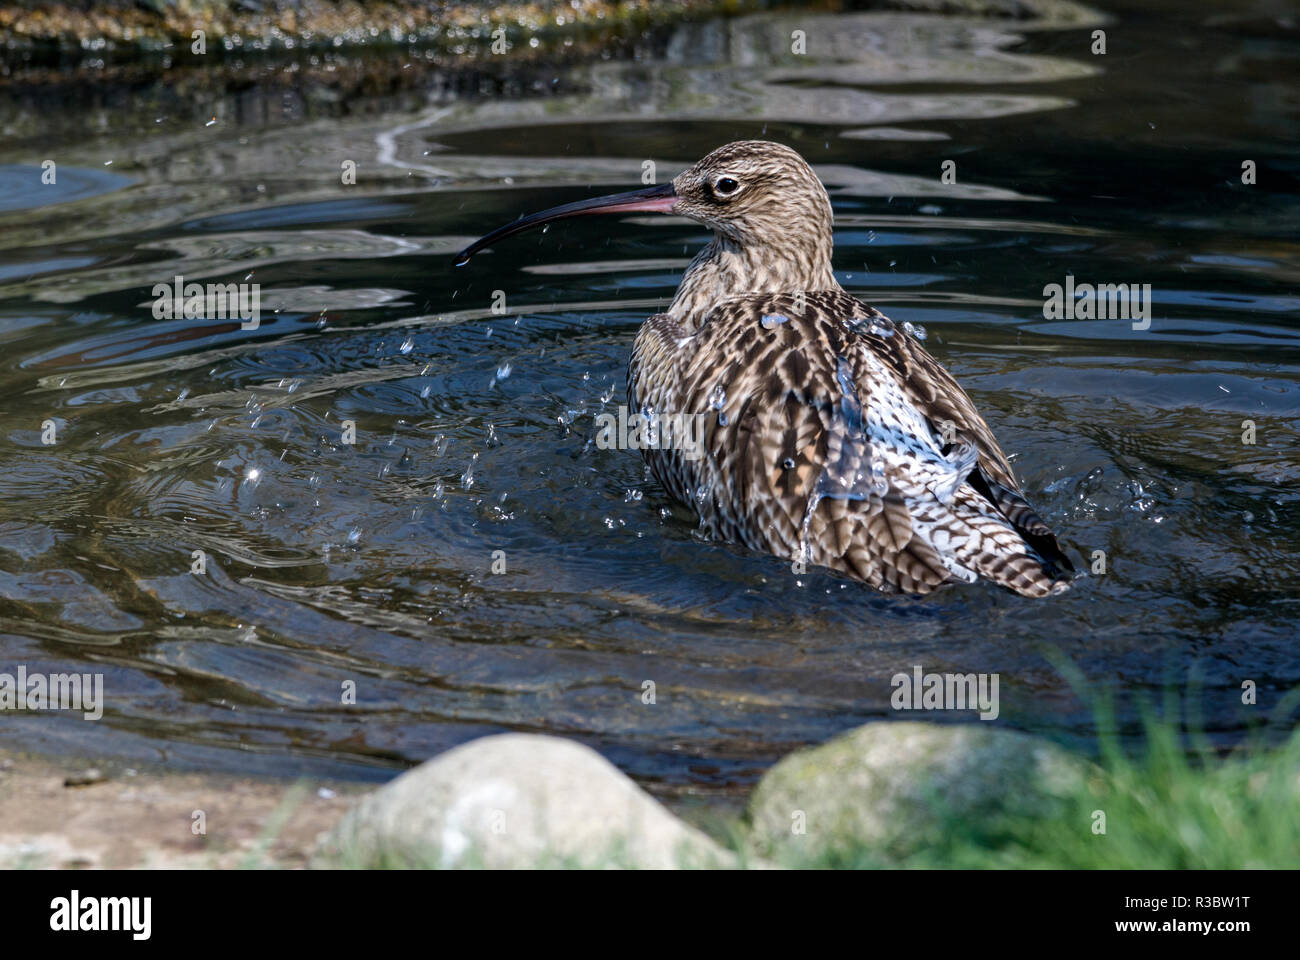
658, 199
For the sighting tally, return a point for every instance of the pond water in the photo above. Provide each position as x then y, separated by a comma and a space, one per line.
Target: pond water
331, 564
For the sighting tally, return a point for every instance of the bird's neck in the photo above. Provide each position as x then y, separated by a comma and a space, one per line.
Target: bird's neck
725, 269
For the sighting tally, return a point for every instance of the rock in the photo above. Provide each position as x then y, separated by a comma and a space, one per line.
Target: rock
517, 801
889, 787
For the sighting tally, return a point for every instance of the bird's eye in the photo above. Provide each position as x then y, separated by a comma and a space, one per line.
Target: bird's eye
725, 186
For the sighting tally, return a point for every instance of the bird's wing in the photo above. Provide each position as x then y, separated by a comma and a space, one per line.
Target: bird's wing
841, 440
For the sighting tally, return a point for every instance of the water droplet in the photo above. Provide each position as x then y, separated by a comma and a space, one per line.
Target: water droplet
407, 345
718, 398
879, 483
651, 431
467, 478
722, 418
771, 321
503, 371
788, 463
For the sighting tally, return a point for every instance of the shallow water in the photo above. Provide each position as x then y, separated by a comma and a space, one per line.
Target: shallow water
371, 563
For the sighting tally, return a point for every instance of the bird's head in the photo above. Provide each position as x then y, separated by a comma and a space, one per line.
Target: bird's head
754, 193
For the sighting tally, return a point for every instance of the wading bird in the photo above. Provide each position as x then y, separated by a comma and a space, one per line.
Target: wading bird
832, 436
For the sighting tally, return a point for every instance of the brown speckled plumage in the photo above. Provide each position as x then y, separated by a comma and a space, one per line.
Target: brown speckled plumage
832, 436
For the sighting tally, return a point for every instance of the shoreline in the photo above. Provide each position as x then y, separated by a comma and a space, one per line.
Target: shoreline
63, 812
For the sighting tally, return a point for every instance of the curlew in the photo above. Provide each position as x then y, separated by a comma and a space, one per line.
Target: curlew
832, 437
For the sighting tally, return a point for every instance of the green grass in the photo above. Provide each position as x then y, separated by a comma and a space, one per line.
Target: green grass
1162, 811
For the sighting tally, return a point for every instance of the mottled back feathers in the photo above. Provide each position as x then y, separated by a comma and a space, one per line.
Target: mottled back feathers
833, 437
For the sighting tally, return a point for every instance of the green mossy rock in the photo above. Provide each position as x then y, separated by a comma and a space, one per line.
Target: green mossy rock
894, 788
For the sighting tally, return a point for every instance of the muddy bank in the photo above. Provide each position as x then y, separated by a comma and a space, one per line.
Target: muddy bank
62, 813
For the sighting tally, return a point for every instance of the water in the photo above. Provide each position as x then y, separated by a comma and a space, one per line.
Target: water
473, 562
